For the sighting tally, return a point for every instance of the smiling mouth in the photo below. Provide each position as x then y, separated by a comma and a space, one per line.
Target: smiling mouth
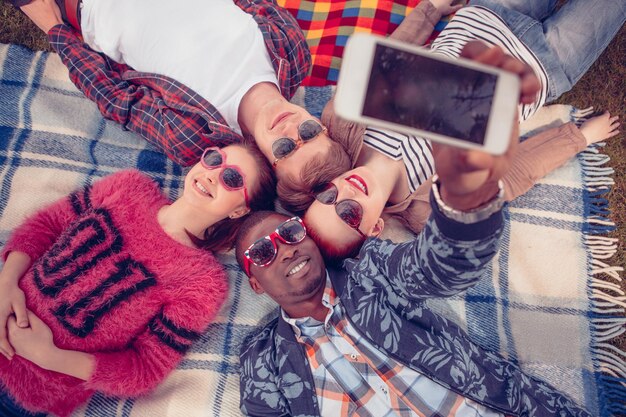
297, 268
202, 188
280, 118
358, 183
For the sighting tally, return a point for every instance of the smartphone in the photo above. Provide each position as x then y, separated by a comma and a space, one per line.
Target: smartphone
409, 89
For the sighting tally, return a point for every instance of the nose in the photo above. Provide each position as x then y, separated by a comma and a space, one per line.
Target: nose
211, 175
290, 127
345, 190
286, 252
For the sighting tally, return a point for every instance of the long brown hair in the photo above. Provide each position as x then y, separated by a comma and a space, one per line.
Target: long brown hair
221, 235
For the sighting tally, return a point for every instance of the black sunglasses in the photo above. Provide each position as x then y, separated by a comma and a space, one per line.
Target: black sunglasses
264, 250
283, 147
349, 211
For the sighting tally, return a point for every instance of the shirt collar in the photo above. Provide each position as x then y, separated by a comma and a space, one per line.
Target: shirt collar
329, 300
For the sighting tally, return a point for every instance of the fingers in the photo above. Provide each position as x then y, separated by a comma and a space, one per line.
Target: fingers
19, 309
5, 347
529, 83
475, 50
614, 125
496, 57
599, 128
476, 161
33, 319
454, 9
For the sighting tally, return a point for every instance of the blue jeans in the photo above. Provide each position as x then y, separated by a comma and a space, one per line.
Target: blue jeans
10, 408
566, 42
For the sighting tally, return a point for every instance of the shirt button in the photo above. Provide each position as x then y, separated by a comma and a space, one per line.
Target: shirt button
354, 356
384, 390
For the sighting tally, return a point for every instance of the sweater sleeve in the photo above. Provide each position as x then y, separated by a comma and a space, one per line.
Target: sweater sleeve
541, 154
447, 257
40, 231
167, 337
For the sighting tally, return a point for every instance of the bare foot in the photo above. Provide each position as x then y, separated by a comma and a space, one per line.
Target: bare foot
600, 128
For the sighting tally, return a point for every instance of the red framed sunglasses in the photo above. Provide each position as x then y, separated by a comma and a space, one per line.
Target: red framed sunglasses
264, 250
231, 176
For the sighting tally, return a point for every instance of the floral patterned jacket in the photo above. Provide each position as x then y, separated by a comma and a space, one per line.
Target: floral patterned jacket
383, 293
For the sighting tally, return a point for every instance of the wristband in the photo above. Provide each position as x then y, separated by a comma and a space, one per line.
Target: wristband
474, 215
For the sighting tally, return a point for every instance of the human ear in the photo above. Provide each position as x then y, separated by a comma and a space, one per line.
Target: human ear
377, 229
239, 212
256, 286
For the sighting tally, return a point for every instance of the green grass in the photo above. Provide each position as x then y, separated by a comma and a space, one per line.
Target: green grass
603, 87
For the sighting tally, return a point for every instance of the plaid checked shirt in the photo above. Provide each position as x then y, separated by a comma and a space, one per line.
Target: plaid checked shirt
352, 377
172, 117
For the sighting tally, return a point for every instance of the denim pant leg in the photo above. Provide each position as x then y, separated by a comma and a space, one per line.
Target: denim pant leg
537, 9
580, 30
530, 32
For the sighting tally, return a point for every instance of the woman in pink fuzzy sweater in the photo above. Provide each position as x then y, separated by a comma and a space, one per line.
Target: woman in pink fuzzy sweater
107, 289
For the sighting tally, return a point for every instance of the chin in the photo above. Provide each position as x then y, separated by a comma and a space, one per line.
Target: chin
314, 285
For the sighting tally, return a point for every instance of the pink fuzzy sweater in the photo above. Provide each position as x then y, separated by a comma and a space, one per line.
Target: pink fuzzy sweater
109, 281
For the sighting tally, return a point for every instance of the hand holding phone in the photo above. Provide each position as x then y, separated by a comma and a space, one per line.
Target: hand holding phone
469, 177
401, 87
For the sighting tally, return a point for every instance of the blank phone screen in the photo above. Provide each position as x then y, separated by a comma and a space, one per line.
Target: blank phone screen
431, 95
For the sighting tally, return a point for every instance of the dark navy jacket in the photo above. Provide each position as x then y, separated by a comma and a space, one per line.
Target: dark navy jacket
383, 293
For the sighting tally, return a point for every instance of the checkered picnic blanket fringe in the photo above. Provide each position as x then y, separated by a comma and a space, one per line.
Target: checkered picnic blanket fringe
608, 300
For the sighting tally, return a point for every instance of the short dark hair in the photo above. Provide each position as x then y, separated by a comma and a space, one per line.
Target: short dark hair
248, 223
221, 235
296, 194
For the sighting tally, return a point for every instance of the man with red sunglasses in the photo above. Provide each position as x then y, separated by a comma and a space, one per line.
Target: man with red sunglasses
359, 339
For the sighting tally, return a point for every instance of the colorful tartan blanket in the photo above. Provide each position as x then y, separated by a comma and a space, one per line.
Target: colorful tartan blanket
548, 303
328, 23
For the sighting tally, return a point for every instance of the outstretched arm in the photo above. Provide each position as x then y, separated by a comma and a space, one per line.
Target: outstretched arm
543, 153
450, 256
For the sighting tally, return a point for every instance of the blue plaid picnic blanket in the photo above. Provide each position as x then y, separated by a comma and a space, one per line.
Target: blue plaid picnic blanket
548, 303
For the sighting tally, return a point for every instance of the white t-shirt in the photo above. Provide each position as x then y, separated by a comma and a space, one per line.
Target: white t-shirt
212, 47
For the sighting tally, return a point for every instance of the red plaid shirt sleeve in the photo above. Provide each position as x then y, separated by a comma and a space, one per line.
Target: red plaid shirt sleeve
162, 115
283, 36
